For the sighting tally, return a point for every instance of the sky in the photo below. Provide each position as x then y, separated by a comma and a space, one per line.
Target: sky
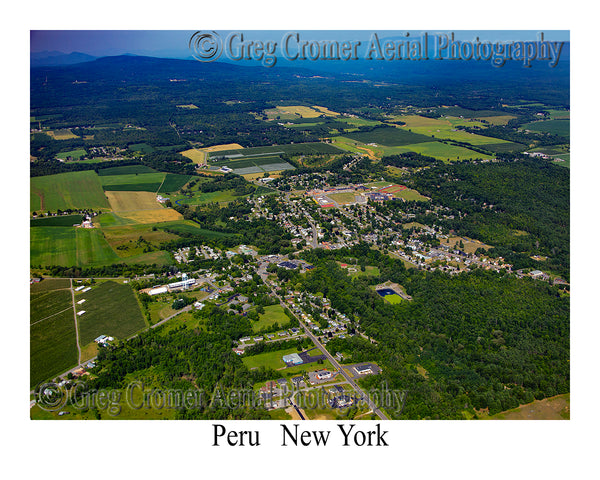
174, 43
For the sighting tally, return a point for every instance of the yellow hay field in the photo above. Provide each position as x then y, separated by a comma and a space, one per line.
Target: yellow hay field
305, 112
198, 155
153, 216
129, 201
61, 134
325, 110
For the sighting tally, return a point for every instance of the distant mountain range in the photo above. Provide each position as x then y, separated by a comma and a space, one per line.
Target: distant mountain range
54, 58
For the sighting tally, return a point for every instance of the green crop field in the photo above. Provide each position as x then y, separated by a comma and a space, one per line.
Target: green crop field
273, 314
143, 182
48, 284
53, 347
58, 221
111, 219
173, 183
503, 147
125, 170
439, 150
110, 309
42, 305
188, 227
67, 190
555, 127
388, 136
197, 198
69, 246
291, 149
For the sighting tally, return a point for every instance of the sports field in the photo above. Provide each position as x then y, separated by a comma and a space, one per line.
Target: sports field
52, 340
110, 309
67, 190
343, 198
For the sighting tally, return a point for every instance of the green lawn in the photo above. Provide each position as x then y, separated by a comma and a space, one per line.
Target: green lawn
273, 314
269, 359
110, 309
67, 190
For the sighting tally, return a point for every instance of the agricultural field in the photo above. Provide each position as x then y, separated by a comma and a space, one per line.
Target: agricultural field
69, 246
62, 191
173, 183
555, 127
388, 136
110, 309
273, 314
137, 182
558, 114
200, 155
198, 198
292, 112
129, 201
111, 219
445, 128
125, 170
141, 148
439, 150
53, 347
49, 284
56, 221
62, 134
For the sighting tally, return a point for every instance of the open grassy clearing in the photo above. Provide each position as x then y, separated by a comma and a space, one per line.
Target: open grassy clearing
53, 347
74, 154
198, 198
131, 240
469, 244
111, 219
411, 195
62, 191
273, 314
110, 309
498, 120
186, 227
553, 408
141, 148
268, 360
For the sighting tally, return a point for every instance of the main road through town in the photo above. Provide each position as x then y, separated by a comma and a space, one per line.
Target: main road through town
334, 362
